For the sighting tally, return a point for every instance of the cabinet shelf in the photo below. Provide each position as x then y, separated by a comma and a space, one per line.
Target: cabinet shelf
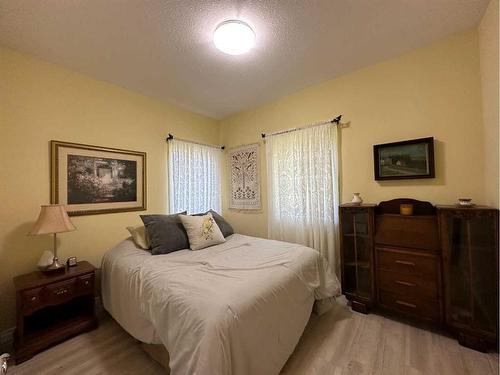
459, 247
358, 264
59, 331
355, 235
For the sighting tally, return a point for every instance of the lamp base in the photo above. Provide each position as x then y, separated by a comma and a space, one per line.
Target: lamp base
55, 266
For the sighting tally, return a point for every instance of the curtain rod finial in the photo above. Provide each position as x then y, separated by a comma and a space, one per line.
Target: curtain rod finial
170, 136
222, 147
263, 135
336, 120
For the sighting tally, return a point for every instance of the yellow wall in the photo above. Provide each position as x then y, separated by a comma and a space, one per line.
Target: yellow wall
432, 91
488, 53
39, 102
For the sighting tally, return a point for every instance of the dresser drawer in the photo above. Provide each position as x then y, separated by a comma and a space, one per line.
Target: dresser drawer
407, 262
85, 284
60, 292
415, 231
408, 284
32, 299
410, 305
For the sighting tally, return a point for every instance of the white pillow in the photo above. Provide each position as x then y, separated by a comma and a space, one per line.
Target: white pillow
202, 231
140, 236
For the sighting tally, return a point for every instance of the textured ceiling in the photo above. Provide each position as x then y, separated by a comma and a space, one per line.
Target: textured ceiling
163, 48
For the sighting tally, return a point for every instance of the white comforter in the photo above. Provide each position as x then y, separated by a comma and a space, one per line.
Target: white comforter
235, 308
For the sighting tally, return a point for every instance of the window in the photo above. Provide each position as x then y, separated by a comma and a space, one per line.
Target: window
303, 188
194, 177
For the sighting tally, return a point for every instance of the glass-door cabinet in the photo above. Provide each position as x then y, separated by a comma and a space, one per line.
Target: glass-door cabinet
356, 240
469, 240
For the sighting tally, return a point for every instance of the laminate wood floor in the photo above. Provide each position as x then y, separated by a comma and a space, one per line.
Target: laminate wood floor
339, 342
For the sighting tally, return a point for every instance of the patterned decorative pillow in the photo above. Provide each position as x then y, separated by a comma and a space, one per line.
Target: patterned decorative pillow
223, 225
140, 236
202, 231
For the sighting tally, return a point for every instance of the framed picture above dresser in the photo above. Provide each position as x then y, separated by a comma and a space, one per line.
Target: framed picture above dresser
438, 265
404, 160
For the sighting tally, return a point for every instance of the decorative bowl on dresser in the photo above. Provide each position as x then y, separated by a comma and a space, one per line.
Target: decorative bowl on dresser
52, 307
439, 265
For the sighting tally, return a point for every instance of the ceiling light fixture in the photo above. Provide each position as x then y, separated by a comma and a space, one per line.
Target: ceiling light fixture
234, 37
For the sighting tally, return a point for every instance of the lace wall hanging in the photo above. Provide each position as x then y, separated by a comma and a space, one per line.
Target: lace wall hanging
245, 177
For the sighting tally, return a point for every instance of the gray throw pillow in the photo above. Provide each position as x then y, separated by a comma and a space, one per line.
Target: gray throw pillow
166, 233
223, 225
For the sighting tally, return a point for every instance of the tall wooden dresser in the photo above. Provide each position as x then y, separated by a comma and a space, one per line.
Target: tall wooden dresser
439, 265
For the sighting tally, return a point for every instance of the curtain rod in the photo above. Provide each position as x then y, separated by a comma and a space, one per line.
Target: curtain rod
335, 121
170, 137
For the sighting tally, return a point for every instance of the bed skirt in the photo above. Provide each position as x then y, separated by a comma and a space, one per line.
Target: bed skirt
159, 353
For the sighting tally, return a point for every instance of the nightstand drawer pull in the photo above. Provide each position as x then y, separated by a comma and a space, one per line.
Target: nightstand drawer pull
406, 304
61, 291
86, 282
405, 263
405, 283
33, 298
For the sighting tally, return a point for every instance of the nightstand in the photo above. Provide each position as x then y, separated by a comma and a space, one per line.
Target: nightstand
52, 307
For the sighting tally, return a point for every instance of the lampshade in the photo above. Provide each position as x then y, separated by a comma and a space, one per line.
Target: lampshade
52, 219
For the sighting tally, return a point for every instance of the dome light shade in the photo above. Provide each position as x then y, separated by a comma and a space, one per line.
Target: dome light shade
234, 37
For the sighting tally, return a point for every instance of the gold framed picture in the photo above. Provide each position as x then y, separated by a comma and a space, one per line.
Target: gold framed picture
97, 180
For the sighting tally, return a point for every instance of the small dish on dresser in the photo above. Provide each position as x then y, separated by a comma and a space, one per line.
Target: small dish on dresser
465, 202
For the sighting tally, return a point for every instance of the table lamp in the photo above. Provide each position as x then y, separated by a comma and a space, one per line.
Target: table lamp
53, 219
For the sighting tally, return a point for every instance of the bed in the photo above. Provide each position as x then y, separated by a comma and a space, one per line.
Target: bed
235, 308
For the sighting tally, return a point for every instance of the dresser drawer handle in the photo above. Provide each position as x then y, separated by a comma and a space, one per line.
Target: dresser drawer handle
405, 283
61, 291
406, 263
407, 304
86, 282
33, 298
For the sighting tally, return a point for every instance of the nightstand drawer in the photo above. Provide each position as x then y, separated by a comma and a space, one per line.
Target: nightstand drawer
85, 284
32, 299
59, 292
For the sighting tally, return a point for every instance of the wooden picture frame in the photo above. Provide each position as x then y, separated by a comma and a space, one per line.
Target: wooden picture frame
97, 180
404, 160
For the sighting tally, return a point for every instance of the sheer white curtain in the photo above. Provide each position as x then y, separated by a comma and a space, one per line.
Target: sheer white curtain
194, 177
303, 188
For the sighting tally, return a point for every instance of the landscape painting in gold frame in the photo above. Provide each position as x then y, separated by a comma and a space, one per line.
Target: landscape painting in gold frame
97, 180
